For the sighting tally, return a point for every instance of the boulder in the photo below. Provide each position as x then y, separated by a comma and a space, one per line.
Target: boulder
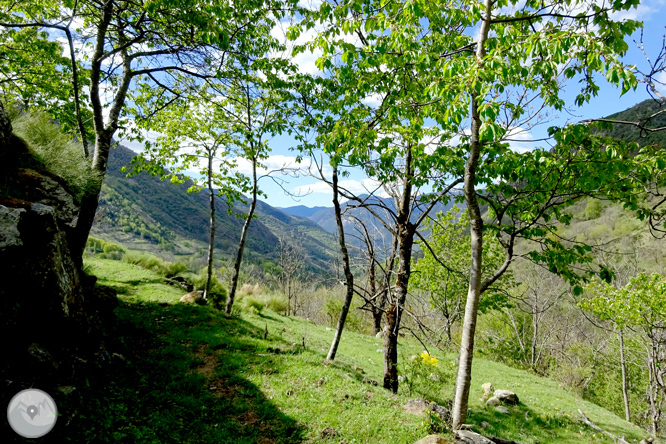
192, 297
416, 406
488, 389
54, 314
419, 406
493, 401
506, 396
433, 439
469, 437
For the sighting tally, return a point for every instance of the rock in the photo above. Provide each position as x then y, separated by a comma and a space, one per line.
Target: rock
469, 437
419, 406
493, 401
441, 411
416, 406
379, 350
328, 433
488, 389
379, 334
358, 369
485, 424
370, 381
433, 439
192, 297
502, 409
506, 396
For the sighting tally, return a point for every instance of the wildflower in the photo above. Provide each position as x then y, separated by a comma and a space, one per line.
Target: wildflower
429, 359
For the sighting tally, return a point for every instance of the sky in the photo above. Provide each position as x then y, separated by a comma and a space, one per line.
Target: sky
287, 190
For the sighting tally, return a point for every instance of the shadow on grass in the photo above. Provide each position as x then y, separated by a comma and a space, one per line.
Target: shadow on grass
180, 379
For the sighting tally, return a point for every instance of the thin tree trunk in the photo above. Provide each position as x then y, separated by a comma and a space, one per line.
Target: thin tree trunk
349, 277
405, 234
623, 363
394, 313
211, 242
241, 244
464, 376
77, 98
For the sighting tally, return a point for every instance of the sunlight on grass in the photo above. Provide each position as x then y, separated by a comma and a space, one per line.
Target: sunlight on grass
213, 379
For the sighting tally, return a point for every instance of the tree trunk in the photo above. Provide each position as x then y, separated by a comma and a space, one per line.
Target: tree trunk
461, 397
623, 363
90, 201
394, 313
241, 244
211, 242
349, 277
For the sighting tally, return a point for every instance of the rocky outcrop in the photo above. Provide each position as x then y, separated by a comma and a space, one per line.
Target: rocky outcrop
51, 314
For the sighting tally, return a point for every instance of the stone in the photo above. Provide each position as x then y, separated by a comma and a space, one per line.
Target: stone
192, 297
493, 401
506, 396
433, 439
485, 424
379, 334
419, 406
416, 406
488, 389
502, 409
10, 236
469, 437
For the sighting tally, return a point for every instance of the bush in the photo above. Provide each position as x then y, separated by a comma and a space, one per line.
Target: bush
353, 322
253, 304
56, 151
426, 375
277, 303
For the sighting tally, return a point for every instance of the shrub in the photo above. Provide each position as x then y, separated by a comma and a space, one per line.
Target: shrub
426, 375
277, 303
353, 322
251, 304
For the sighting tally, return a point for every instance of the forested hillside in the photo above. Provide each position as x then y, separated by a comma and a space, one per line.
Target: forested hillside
145, 213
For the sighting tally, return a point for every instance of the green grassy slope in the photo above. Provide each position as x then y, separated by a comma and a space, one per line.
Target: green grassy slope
192, 375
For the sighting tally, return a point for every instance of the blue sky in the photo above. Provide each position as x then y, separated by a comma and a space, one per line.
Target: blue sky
316, 193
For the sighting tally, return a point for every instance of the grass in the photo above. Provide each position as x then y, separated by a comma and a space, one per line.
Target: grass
190, 375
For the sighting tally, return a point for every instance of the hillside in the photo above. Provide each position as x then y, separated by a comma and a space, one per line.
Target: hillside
187, 374
153, 215
650, 113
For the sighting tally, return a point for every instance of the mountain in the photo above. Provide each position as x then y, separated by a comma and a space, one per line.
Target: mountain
325, 218
302, 210
150, 214
650, 113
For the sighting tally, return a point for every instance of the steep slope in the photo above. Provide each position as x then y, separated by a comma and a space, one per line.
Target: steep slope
146, 212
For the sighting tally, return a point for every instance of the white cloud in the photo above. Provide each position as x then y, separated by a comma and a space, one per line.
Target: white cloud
365, 186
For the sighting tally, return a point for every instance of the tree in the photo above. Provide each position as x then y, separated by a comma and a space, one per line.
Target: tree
145, 51
639, 304
254, 109
181, 155
442, 271
420, 63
